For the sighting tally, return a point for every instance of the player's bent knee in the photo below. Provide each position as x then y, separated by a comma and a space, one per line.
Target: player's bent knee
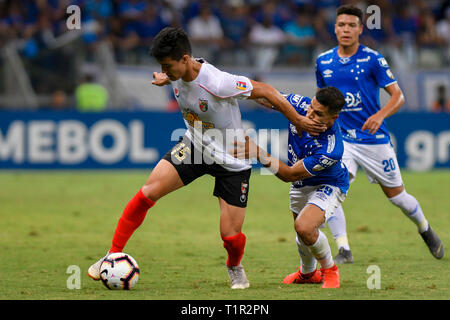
303, 229
153, 191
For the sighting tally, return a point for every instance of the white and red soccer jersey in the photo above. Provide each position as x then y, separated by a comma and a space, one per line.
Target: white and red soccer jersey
211, 113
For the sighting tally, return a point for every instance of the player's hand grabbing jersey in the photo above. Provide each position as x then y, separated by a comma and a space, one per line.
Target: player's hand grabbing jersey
321, 154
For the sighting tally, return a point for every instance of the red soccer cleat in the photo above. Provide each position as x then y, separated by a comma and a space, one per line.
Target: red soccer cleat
330, 277
300, 278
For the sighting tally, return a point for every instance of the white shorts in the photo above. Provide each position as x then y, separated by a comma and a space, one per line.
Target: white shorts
325, 196
378, 162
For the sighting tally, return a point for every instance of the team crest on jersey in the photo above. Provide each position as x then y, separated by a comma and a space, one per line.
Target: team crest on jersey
203, 104
241, 85
244, 189
176, 92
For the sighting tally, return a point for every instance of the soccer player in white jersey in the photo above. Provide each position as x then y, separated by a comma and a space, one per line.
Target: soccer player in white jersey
358, 72
207, 98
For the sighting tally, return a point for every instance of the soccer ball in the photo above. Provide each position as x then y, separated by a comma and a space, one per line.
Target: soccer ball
119, 271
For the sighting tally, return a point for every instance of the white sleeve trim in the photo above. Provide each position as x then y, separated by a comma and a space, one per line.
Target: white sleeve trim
395, 81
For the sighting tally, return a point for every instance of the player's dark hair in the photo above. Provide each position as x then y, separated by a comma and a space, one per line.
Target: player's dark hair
331, 98
170, 42
350, 10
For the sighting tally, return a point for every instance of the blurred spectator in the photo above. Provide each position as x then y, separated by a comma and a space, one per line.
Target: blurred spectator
429, 41
275, 11
236, 28
91, 96
300, 37
324, 29
443, 27
406, 27
139, 33
131, 10
266, 40
206, 35
443, 30
232, 32
441, 103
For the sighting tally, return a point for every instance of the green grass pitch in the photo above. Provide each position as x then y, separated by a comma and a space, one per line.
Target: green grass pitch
52, 220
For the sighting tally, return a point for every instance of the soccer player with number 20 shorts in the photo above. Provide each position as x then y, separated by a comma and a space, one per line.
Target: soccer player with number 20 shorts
207, 98
358, 72
319, 182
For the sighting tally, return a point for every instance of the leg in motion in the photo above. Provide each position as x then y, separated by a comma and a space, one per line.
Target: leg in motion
337, 225
307, 227
411, 208
231, 221
163, 180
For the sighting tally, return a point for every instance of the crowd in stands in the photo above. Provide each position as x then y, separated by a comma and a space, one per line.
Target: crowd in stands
261, 33
223, 30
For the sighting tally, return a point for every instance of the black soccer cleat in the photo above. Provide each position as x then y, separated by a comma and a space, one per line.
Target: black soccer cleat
344, 256
433, 242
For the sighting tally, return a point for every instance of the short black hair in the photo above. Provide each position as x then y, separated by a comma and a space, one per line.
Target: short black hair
170, 42
351, 10
331, 98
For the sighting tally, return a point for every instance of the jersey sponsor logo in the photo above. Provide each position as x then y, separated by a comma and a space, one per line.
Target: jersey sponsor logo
327, 73
203, 104
191, 118
326, 61
326, 161
176, 92
331, 143
292, 153
295, 99
383, 62
367, 59
352, 100
344, 60
241, 85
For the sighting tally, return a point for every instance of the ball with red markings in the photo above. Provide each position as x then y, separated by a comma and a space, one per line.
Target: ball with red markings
119, 271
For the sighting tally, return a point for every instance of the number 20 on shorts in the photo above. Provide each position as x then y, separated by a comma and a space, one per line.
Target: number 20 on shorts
389, 165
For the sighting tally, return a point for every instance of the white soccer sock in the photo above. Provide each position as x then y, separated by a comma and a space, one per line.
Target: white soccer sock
322, 252
307, 260
337, 225
411, 208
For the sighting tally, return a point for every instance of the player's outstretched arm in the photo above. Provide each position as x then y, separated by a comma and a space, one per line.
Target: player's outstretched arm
249, 149
160, 79
271, 96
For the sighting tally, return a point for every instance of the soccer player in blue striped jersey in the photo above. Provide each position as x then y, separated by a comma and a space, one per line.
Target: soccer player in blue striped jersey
359, 72
319, 182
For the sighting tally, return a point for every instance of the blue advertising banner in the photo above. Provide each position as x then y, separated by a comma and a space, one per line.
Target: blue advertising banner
137, 140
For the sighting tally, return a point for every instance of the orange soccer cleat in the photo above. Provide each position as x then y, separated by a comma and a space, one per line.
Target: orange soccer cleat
300, 278
330, 277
